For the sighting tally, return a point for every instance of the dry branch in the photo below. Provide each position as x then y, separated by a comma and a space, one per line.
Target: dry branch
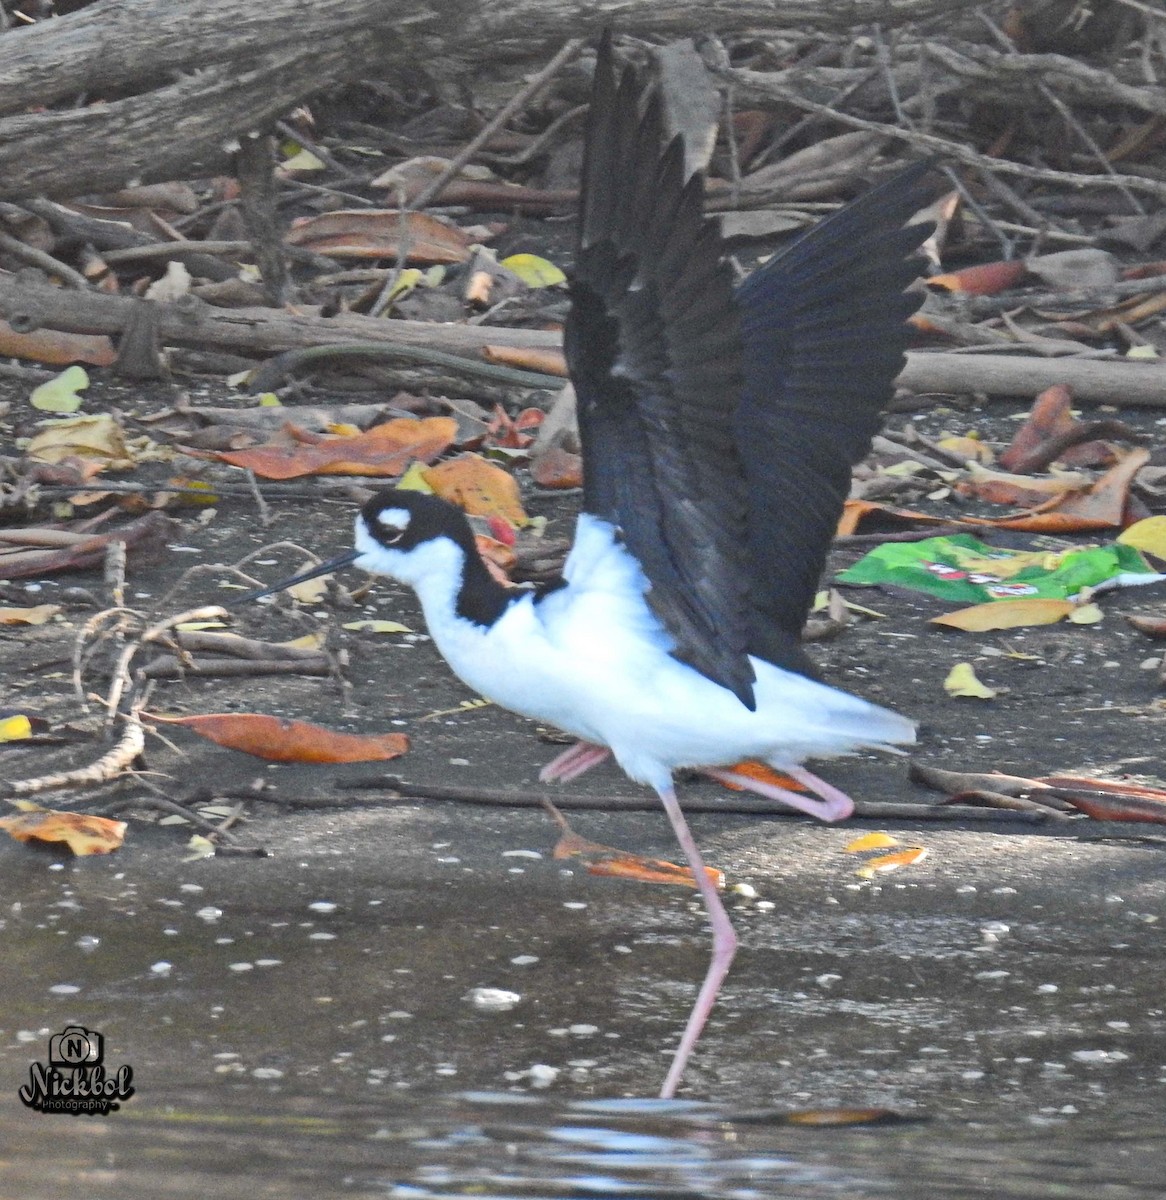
177, 83
191, 322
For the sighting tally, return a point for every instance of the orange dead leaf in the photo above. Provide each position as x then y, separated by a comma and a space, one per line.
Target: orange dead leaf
1110, 799
1020, 491
1101, 506
1049, 417
499, 558
986, 279
279, 740
764, 774
384, 450
557, 468
892, 862
380, 233
857, 513
514, 433
528, 358
607, 860
478, 486
82, 833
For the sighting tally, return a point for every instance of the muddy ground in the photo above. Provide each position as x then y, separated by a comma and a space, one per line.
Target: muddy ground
1012, 974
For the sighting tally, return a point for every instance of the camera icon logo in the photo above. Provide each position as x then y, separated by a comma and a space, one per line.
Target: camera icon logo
76, 1046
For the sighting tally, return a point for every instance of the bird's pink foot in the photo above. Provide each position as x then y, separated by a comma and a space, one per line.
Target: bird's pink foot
582, 756
832, 804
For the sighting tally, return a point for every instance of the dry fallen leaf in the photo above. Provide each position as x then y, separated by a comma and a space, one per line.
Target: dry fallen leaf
871, 841
961, 682
985, 279
477, 486
15, 728
763, 774
96, 438
38, 614
607, 860
1007, 614
384, 450
280, 740
892, 862
381, 233
82, 833
1148, 535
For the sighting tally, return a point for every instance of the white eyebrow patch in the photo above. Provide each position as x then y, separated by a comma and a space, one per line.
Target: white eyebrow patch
396, 519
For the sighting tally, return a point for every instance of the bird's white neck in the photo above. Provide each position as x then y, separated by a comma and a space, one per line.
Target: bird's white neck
450, 579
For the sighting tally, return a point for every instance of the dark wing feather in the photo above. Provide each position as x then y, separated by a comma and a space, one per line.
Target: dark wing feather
654, 348
824, 330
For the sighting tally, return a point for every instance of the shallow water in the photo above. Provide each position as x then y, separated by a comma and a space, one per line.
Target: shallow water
305, 1024
498, 1146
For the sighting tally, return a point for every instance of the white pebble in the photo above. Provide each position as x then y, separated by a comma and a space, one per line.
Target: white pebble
489, 999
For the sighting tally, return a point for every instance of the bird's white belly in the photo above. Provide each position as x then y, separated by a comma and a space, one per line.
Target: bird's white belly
605, 676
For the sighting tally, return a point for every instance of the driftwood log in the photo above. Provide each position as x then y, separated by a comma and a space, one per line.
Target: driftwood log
266, 331
169, 88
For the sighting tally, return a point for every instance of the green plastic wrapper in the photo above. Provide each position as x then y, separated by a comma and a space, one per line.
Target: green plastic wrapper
963, 569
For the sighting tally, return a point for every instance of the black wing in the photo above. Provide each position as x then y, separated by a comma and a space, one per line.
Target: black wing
824, 328
653, 342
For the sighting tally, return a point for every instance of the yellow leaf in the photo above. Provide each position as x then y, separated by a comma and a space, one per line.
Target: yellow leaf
1007, 614
97, 437
310, 641
15, 729
871, 841
199, 847
304, 160
1146, 352
310, 590
405, 282
59, 395
38, 614
1086, 614
269, 400
378, 626
967, 447
961, 682
1148, 535
414, 480
199, 626
535, 272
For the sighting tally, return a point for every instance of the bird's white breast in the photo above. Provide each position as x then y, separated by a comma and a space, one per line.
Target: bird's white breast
593, 659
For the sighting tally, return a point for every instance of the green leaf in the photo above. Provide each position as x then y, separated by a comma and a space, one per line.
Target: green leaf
535, 272
59, 395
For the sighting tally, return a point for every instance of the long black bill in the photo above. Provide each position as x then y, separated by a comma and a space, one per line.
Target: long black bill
325, 568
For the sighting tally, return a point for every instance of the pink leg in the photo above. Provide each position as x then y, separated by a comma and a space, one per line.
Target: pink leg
724, 945
582, 756
834, 805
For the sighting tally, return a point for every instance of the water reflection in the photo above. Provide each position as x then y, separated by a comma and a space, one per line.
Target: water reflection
243, 1143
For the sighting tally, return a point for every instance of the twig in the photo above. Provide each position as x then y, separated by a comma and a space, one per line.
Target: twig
761, 84
752, 806
46, 262
265, 517
108, 767
534, 85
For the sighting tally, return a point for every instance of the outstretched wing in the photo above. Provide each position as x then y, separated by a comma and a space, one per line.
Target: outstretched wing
653, 343
824, 330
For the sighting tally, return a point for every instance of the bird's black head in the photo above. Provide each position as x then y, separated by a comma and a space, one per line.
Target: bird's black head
401, 520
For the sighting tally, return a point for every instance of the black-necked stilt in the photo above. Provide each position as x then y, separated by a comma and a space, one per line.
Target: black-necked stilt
719, 426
